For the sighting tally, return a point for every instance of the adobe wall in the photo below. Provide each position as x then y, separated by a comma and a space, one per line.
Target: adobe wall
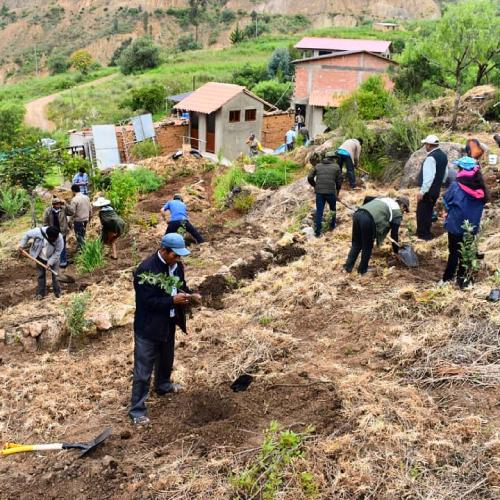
274, 128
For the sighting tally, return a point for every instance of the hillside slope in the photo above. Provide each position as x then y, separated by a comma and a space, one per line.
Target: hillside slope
101, 26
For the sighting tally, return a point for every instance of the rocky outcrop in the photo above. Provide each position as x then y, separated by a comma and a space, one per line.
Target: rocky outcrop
412, 166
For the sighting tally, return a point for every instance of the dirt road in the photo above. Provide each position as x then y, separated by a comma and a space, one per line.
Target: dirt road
36, 110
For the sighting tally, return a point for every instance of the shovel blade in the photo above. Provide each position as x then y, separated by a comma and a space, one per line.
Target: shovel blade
92, 445
408, 256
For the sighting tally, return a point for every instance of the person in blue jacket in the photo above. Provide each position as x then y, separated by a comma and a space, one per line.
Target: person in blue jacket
157, 313
464, 201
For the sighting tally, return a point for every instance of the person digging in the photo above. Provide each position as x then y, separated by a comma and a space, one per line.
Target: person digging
179, 218
348, 154
326, 179
57, 215
161, 294
113, 225
47, 246
373, 221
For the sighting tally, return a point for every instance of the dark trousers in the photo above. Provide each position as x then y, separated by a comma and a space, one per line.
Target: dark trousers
148, 355
425, 207
454, 241
173, 227
64, 254
80, 230
363, 235
349, 166
321, 200
42, 280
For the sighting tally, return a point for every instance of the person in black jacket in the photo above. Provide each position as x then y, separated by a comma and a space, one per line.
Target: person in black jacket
326, 179
158, 311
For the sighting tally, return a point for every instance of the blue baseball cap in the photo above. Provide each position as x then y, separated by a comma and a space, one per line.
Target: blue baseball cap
176, 242
466, 162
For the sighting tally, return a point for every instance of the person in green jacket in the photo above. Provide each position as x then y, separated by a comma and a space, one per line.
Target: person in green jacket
373, 221
113, 225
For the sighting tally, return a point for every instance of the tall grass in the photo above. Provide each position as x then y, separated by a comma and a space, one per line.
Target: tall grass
91, 256
13, 201
225, 183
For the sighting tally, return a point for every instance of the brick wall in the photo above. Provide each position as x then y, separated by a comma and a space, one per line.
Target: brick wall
274, 128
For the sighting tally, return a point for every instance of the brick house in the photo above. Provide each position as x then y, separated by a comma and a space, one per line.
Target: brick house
322, 80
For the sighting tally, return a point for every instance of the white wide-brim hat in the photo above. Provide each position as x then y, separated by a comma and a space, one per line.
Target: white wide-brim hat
431, 139
101, 202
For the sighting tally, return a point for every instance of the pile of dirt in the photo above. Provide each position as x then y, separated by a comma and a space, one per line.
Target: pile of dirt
184, 166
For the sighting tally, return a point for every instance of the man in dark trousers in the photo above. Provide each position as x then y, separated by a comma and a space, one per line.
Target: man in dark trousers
326, 179
433, 174
179, 218
160, 306
373, 221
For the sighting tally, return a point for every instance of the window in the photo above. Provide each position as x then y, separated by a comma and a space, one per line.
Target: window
234, 116
250, 115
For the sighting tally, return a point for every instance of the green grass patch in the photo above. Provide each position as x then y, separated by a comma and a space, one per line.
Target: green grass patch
226, 182
91, 256
271, 172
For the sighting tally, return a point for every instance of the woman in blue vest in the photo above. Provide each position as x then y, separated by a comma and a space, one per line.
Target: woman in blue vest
464, 201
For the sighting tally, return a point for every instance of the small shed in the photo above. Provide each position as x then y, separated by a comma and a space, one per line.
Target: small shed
222, 116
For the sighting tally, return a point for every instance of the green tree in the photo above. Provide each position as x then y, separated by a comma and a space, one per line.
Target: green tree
58, 63
196, 10
236, 35
149, 98
280, 65
187, 42
11, 121
275, 92
115, 58
141, 54
249, 75
82, 61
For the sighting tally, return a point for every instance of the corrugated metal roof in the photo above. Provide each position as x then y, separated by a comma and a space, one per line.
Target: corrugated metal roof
209, 97
178, 97
334, 55
311, 43
325, 97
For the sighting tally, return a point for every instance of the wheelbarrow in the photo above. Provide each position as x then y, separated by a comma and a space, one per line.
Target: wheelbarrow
11, 448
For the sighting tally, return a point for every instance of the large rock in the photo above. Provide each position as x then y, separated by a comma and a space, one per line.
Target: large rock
53, 335
414, 163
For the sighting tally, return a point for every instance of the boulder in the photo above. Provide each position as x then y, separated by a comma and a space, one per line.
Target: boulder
414, 163
309, 232
55, 332
29, 343
102, 321
123, 315
36, 329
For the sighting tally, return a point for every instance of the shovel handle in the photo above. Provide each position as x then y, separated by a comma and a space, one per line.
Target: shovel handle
26, 254
12, 448
393, 241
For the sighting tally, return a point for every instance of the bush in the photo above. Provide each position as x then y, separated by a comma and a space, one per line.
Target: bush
122, 192
404, 136
11, 121
243, 202
71, 164
227, 16
13, 201
115, 58
75, 317
271, 172
145, 149
150, 98
147, 181
91, 256
275, 92
82, 61
280, 66
225, 183
58, 63
249, 75
187, 42
141, 54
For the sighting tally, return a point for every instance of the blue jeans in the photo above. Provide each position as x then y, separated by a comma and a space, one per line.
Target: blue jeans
349, 165
80, 230
321, 200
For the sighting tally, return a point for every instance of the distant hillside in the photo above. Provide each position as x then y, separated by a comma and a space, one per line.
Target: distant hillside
32, 30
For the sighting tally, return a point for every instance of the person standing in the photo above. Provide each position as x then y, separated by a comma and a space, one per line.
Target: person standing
57, 216
290, 139
373, 221
46, 248
158, 312
82, 213
113, 226
179, 218
349, 153
299, 120
81, 179
464, 201
326, 179
433, 174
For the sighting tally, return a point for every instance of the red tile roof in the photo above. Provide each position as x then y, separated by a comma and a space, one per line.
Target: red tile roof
209, 97
343, 44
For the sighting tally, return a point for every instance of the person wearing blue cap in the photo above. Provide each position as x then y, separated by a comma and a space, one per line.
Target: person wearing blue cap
160, 304
464, 201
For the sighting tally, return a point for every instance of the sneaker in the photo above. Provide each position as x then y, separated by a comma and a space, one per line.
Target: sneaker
38, 296
171, 389
57, 294
142, 420
345, 269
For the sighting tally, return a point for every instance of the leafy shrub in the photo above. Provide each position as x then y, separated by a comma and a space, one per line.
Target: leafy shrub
75, 317
226, 182
122, 192
243, 202
275, 92
227, 16
13, 201
146, 180
11, 121
468, 249
58, 63
141, 54
82, 61
249, 75
145, 149
115, 58
150, 98
237, 35
271, 172
280, 65
71, 164
405, 135
188, 42
91, 256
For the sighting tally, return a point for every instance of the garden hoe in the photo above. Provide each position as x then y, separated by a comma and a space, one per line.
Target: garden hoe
11, 448
65, 278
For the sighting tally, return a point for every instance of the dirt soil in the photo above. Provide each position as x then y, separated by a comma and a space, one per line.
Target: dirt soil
399, 378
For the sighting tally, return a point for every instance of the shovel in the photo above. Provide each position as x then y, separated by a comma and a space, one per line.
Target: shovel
65, 278
406, 254
11, 448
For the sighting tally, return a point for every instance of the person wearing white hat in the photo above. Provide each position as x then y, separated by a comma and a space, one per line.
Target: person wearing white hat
113, 225
433, 174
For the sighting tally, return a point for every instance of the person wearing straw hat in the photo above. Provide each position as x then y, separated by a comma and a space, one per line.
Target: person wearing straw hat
113, 225
464, 201
57, 215
159, 309
431, 177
